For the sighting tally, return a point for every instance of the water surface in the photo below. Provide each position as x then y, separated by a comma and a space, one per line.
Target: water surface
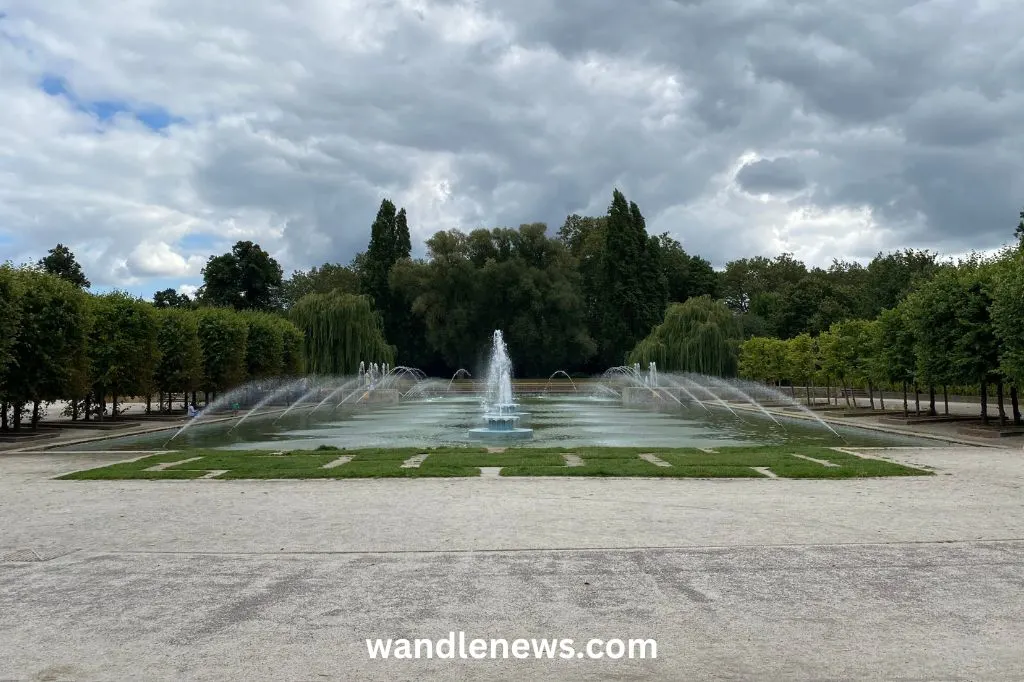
557, 421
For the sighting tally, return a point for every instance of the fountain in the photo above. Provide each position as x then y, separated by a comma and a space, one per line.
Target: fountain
501, 413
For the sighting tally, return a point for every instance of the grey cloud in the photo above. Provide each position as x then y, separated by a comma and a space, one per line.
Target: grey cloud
300, 125
771, 175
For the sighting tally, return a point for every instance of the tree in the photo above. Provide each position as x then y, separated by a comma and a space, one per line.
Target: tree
745, 279
180, 367
222, 336
892, 276
686, 276
169, 298
292, 358
442, 292
845, 351
894, 358
955, 340
60, 261
10, 315
1007, 312
754, 359
802, 361
264, 346
123, 350
519, 280
247, 278
1019, 231
389, 243
584, 239
633, 291
700, 335
319, 280
339, 331
48, 352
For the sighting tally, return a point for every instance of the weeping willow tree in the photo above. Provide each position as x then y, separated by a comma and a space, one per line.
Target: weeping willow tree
700, 335
339, 331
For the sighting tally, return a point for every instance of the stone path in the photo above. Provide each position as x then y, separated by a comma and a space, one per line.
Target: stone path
248, 580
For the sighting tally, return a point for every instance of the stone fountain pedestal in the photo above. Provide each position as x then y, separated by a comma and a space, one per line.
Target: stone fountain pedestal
502, 424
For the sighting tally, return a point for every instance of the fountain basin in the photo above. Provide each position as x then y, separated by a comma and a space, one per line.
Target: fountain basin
642, 395
501, 434
390, 396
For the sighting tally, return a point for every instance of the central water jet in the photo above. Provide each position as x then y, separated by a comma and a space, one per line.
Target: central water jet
501, 412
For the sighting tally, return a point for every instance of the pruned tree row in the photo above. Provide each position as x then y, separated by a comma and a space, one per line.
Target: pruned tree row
60, 343
962, 329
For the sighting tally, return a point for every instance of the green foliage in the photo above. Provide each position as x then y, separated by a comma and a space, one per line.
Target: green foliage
10, 315
517, 280
801, 359
892, 276
60, 261
264, 345
633, 290
339, 331
180, 367
47, 355
949, 315
319, 280
247, 278
123, 350
686, 276
169, 298
894, 345
292, 359
222, 336
846, 351
764, 358
389, 244
1007, 312
700, 335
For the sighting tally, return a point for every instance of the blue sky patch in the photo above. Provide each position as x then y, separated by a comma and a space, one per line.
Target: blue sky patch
199, 242
153, 117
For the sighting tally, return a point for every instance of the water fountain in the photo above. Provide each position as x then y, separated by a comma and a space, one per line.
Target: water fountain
501, 412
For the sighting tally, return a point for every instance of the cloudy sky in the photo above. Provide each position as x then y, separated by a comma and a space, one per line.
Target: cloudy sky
148, 134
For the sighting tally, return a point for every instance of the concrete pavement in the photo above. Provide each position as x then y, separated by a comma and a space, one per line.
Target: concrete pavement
735, 579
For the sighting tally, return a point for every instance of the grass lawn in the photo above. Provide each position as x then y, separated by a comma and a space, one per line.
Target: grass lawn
731, 462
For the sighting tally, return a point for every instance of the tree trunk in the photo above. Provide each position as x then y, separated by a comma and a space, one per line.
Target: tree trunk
931, 401
945, 399
1015, 404
871, 395
35, 414
149, 403
74, 409
906, 408
1002, 405
881, 398
792, 390
206, 400
807, 390
113, 405
17, 416
3, 416
88, 406
101, 401
917, 400
984, 402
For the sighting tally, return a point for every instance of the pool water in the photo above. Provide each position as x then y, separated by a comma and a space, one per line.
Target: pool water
562, 421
